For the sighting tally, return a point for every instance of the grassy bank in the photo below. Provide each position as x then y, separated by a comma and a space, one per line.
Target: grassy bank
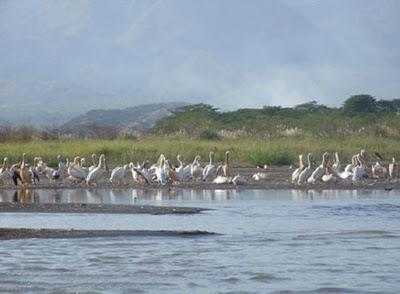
245, 151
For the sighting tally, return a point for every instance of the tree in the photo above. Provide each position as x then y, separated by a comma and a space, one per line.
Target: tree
360, 104
311, 106
388, 105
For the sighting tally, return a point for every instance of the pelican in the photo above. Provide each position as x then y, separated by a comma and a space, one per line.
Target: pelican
393, 169
336, 165
118, 174
222, 180
378, 171
51, 173
141, 174
62, 168
4, 171
25, 174
94, 162
226, 168
196, 171
320, 170
82, 166
160, 170
98, 171
34, 175
359, 170
330, 175
170, 172
39, 165
348, 170
75, 171
306, 173
259, 176
15, 172
182, 172
297, 171
210, 171
239, 180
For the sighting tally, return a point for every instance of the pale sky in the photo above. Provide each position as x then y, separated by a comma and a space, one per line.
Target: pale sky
71, 56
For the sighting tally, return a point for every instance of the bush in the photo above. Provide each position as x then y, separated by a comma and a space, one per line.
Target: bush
360, 104
209, 134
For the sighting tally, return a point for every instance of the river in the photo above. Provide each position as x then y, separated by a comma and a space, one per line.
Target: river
269, 241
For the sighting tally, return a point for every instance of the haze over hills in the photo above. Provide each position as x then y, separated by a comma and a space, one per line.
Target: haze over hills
131, 120
63, 58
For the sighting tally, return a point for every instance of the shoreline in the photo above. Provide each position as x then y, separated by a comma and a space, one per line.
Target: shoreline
278, 178
21, 233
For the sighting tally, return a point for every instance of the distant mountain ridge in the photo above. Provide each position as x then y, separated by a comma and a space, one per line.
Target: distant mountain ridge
131, 120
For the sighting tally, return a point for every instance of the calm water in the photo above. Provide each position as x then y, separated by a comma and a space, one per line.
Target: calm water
272, 241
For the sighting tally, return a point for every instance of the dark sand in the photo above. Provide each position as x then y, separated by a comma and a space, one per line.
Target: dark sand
95, 208
9, 234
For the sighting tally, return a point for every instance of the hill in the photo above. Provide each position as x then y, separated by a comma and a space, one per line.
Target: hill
113, 122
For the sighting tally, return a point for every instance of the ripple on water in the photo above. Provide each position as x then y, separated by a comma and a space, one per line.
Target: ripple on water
386, 209
355, 234
231, 280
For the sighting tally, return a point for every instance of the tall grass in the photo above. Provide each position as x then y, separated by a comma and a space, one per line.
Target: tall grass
245, 151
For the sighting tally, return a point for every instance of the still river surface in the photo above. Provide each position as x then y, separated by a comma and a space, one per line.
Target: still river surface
271, 242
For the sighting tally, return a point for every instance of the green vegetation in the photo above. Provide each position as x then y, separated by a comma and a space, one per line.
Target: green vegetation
279, 151
361, 115
270, 135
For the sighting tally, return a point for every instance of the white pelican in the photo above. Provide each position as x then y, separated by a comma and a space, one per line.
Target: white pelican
222, 180
297, 171
182, 172
94, 162
15, 172
393, 169
226, 168
330, 175
4, 171
196, 171
160, 171
25, 174
82, 165
98, 171
39, 165
306, 173
259, 176
51, 173
171, 177
141, 174
320, 170
62, 168
210, 171
336, 166
239, 180
118, 174
348, 170
378, 171
75, 171
359, 170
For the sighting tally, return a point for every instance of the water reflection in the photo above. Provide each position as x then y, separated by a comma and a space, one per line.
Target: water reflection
112, 196
165, 196
301, 195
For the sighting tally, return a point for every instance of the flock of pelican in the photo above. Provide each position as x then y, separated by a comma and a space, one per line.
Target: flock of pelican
162, 172
330, 171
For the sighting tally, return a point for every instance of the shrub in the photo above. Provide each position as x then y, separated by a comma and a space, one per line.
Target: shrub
209, 134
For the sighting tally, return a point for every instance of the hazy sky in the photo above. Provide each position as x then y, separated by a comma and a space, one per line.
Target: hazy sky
231, 53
